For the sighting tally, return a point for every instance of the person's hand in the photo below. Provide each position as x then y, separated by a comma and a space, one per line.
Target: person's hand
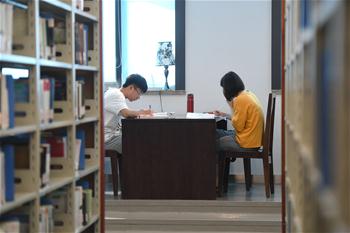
146, 112
218, 113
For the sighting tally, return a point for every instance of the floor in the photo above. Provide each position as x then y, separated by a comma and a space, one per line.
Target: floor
236, 192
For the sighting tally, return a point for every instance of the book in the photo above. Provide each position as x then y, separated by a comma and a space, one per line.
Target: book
198, 115
80, 135
11, 100
58, 146
158, 115
2, 178
21, 86
8, 151
45, 155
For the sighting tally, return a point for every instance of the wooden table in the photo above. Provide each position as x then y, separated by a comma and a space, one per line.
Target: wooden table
168, 159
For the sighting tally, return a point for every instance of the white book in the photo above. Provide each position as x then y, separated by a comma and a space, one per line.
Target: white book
78, 206
198, 115
12, 226
77, 153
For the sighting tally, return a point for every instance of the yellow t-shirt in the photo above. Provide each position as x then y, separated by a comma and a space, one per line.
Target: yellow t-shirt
248, 120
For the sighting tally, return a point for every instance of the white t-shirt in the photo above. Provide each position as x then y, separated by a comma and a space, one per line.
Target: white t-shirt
114, 102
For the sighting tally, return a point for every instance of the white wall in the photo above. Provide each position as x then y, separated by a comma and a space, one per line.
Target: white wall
223, 36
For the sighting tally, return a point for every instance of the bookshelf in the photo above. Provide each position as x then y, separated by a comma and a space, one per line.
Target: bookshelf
317, 120
58, 41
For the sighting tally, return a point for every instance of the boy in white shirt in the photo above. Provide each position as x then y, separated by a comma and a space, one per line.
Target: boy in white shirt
115, 109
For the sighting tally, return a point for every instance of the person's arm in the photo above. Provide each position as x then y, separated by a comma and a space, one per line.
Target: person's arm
222, 114
135, 113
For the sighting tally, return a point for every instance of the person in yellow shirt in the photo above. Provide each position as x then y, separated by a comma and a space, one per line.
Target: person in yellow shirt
247, 116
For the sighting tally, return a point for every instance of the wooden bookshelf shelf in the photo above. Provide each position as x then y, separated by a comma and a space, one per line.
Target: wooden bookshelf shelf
84, 17
85, 68
17, 130
54, 184
88, 170
45, 95
317, 116
86, 120
17, 59
53, 5
92, 221
20, 199
55, 125
55, 64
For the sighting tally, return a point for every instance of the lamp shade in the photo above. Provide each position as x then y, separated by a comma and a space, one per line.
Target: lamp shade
165, 56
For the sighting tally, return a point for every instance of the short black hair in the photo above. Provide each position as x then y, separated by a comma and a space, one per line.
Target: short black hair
137, 80
232, 85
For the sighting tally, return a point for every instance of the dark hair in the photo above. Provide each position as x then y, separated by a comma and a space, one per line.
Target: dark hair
232, 84
137, 80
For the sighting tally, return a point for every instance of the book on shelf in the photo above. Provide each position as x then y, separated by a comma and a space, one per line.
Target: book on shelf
81, 43
80, 156
2, 178
46, 220
87, 200
45, 155
6, 25
80, 98
47, 87
7, 102
59, 200
58, 146
10, 226
78, 192
79, 4
8, 151
47, 45
14, 223
60, 90
21, 87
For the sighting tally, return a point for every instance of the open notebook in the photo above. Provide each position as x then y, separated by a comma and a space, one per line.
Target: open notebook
199, 115
158, 115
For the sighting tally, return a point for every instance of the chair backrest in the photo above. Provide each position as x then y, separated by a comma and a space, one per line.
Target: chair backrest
272, 123
268, 133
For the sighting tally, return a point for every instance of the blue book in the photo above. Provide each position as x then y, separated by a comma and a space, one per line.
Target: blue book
9, 172
84, 184
22, 90
80, 134
11, 99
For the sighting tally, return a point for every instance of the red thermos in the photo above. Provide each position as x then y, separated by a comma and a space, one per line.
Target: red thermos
190, 103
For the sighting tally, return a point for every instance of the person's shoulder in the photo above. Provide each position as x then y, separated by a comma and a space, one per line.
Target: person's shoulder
114, 92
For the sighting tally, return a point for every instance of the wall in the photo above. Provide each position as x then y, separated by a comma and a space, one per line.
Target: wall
223, 36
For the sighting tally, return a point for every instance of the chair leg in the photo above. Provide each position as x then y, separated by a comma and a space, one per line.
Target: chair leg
272, 178
226, 174
120, 163
266, 176
114, 165
247, 174
221, 166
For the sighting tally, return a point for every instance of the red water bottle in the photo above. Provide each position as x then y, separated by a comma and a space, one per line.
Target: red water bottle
190, 103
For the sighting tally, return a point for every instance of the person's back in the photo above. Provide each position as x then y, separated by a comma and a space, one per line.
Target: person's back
247, 116
248, 120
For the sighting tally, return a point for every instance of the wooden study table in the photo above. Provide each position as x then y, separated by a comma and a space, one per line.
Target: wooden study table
168, 159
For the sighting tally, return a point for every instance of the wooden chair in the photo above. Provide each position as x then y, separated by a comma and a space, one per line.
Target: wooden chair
264, 153
115, 166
